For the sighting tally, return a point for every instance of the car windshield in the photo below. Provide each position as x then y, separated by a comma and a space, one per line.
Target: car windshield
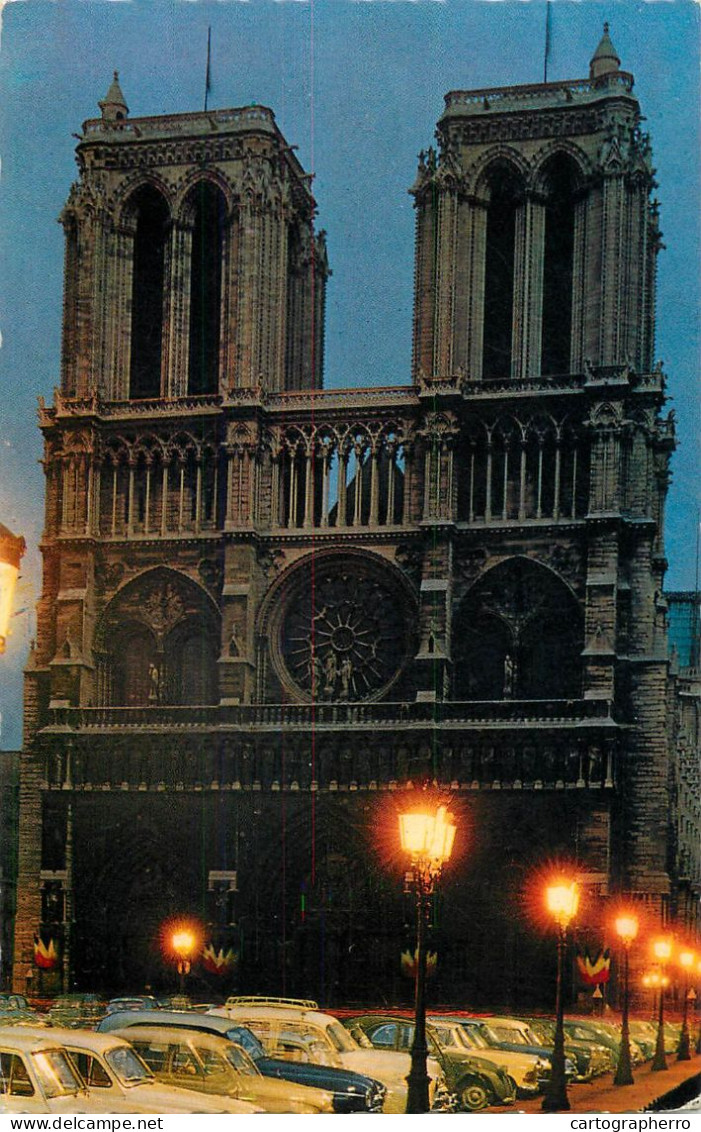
445, 1036
241, 1061
340, 1038
128, 1066
243, 1037
473, 1039
506, 1034
56, 1073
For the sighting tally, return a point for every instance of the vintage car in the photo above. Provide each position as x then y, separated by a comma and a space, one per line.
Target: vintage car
513, 1034
528, 1070
131, 1002
352, 1092
604, 1034
118, 1080
592, 1058
297, 1029
475, 1081
216, 1067
37, 1075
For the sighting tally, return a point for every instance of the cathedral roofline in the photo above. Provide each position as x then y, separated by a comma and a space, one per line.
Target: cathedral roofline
537, 96
259, 119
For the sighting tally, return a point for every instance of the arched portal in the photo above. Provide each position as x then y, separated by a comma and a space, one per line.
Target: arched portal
159, 642
518, 635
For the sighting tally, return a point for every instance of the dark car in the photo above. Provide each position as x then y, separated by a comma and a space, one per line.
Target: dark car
475, 1081
352, 1092
591, 1058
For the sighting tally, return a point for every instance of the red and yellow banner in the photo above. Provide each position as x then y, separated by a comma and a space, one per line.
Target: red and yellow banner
593, 972
45, 954
218, 962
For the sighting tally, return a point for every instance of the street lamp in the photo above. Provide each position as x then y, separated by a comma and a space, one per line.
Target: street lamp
627, 930
662, 950
183, 944
428, 840
562, 901
12, 547
686, 962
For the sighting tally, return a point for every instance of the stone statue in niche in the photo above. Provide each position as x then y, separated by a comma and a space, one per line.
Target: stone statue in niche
346, 674
330, 673
154, 684
509, 675
317, 674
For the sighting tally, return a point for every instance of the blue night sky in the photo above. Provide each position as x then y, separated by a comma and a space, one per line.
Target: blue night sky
358, 86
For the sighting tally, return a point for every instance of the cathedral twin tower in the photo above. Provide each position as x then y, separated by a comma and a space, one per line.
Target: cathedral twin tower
242, 569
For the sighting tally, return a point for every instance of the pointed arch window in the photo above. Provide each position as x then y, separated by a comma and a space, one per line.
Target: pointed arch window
152, 223
558, 260
499, 274
209, 209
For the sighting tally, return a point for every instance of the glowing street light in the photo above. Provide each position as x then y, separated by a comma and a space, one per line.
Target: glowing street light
662, 950
183, 942
626, 930
686, 962
12, 547
427, 838
562, 901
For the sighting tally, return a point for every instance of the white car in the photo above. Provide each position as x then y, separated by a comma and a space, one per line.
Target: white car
118, 1080
295, 1029
37, 1075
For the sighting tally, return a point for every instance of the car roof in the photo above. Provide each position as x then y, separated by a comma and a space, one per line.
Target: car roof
183, 1019
272, 1012
85, 1039
173, 1034
24, 1039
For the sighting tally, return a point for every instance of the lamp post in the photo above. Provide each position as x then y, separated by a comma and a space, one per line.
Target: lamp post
686, 962
183, 944
562, 900
12, 547
428, 840
627, 930
662, 950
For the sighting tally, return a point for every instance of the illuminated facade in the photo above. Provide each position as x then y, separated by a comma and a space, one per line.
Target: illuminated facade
268, 604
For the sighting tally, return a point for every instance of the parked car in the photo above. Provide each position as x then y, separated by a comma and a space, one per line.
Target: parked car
602, 1032
513, 1034
216, 1067
118, 1080
132, 1002
592, 1058
528, 1070
475, 1081
644, 1034
297, 1029
352, 1092
81, 1011
37, 1075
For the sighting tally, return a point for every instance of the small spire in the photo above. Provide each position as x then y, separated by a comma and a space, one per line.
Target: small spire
113, 106
604, 61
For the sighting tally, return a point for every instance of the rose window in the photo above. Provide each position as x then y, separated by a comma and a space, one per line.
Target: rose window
343, 633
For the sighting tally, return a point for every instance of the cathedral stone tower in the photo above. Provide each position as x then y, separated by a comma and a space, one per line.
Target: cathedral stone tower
270, 609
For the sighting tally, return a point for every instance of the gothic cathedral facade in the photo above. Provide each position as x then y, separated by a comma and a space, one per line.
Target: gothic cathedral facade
270, 609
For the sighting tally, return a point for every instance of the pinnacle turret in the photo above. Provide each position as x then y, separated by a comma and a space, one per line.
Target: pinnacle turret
604, 61
113, 105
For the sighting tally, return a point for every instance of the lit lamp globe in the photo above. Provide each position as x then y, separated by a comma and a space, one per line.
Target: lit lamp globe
12, 547
626, 929
562, 901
